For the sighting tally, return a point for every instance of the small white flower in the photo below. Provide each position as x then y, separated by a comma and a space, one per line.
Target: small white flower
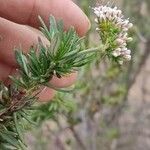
120, 62
130, 25
128, 52
130, 39
116, 52
127, 57
114, 18
125, 29
120, 41
96, 20
97, 29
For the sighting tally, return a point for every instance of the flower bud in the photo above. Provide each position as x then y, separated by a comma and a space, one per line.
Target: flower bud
116, 52
130, 39
127, 57
130, 25
128, 52
120, 62
119, 41
97, 29
96, 20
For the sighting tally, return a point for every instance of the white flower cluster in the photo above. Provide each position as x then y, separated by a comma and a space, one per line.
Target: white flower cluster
115, 17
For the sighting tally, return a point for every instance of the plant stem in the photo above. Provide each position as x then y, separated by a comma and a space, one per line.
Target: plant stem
101, 48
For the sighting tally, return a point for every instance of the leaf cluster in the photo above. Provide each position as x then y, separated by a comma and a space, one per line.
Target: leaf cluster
62, 55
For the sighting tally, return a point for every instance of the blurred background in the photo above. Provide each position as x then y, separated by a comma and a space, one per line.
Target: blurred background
111, 108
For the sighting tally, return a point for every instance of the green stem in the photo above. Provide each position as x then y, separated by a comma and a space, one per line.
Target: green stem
101, 48
59, 89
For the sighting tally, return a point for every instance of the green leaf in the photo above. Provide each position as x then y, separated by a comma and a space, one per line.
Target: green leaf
53, 27
6, 146
17, 126
44, 29
9, 139
22, 61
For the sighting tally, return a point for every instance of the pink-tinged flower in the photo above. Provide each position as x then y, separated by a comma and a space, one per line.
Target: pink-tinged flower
113, 29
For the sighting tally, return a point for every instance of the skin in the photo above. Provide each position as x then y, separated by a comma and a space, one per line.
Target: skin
19, 26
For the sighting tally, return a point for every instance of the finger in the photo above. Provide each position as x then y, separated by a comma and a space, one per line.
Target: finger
13, 35
64, 81
46, 94
5, 71
26, 12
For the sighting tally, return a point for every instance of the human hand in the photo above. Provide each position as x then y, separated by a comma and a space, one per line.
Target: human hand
19, 26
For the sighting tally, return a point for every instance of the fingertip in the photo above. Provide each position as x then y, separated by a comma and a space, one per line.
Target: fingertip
5, 71
46, 95
26, 12
79, 19
64, 81
64, 10
76, 17
86, 25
